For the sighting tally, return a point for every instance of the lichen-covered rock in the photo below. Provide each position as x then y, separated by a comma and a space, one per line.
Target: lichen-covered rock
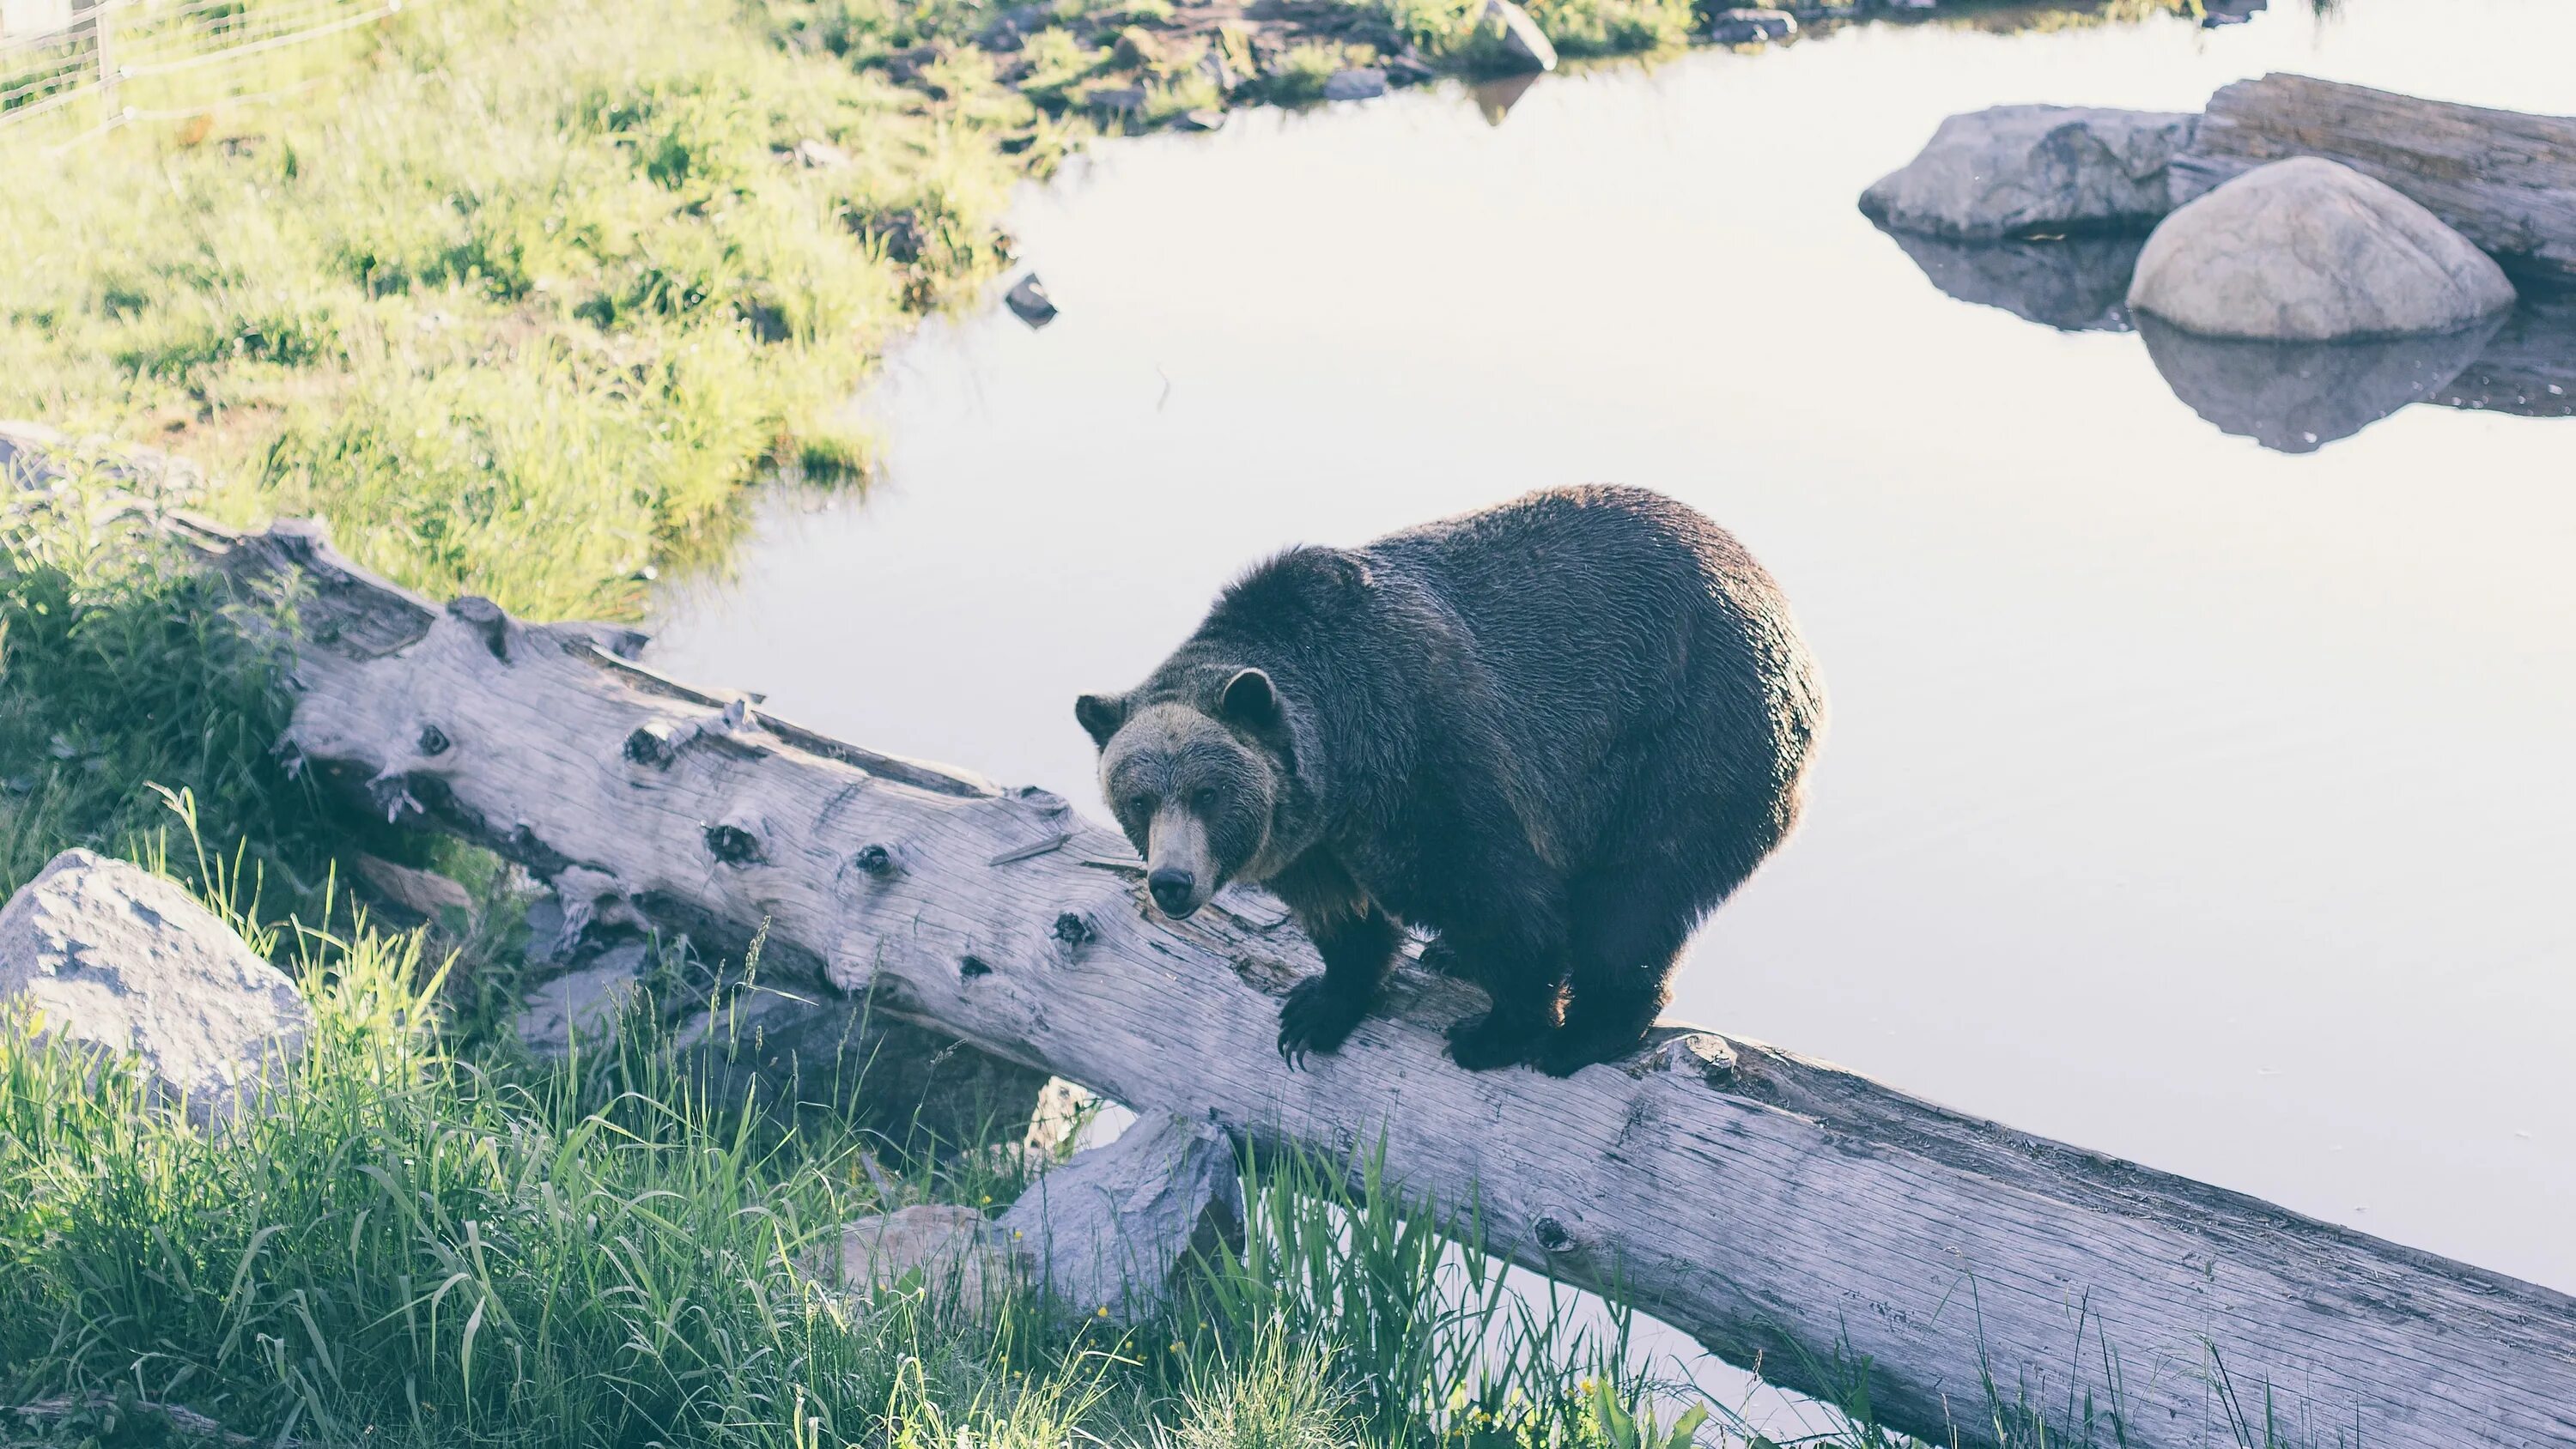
2023, 170
127, 962
1105, 1230
2309, 250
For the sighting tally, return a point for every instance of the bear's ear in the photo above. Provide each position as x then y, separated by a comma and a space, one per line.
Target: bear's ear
1249, 700
1101, 715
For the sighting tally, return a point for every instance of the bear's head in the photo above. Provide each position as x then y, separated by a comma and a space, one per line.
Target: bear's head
1200, 778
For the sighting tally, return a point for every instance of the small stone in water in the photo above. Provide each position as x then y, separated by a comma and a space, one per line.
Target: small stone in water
1202, 119
1029, 301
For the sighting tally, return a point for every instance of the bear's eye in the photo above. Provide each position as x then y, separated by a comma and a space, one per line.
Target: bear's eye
1203, 801
1140, 804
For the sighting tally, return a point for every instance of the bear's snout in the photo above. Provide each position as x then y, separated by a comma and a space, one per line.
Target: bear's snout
1175, 891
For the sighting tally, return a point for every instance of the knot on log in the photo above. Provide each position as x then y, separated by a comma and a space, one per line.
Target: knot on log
1553, 1236
1072, 929
486, 619
733, 845
652, 747
874, 860
971, 967
433, 740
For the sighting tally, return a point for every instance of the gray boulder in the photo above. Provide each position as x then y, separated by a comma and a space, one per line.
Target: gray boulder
1359, 83
1751, 27
956, 1255
128, 963
2309, 250
2017, 171
581, 1009
1105, 1231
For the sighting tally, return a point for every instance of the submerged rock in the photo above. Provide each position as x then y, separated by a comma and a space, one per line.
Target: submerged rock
1359, 83
2309, 250
127, 963
1202, 119
2075, 284
1751, 27
2025, 170
1028, 300
2296, 397
1408, 69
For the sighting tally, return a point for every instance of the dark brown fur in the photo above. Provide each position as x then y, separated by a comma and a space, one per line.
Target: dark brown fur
1557, 732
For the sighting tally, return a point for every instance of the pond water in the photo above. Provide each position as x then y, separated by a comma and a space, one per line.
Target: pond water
2186, 798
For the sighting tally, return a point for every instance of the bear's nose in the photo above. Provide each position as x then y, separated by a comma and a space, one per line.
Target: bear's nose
1172, 888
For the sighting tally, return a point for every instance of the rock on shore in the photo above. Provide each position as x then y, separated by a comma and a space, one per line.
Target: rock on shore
2014, 171
2309, 250
126, 962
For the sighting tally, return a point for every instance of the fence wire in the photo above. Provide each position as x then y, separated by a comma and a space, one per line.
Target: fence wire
66, 56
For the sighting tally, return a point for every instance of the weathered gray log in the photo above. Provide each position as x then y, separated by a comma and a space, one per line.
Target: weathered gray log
2503, 179
1774, 1207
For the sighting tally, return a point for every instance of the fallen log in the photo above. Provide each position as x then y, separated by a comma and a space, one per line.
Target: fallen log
1781, 1210
2503, 179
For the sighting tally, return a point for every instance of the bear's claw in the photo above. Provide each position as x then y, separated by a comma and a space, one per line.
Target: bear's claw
1315, 1018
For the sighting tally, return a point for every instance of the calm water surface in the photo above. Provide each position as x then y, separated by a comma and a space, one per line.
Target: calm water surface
2187, 799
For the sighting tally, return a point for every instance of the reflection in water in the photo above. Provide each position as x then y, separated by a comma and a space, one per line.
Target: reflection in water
1495, 98
2078, 284
2296, 397
2292, 397
2528, 367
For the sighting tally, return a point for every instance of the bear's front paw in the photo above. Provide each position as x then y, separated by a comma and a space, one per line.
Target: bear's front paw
1315, 1017
1482, 1043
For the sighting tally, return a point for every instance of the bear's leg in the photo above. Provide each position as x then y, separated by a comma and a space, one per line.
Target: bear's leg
1628, 930
1521, 970
1320, 1011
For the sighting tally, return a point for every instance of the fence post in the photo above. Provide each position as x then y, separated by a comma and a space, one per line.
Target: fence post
103, 24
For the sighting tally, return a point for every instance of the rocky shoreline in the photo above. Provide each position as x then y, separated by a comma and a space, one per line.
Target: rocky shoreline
1182, 65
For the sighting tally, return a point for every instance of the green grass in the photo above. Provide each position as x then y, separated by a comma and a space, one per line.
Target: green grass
403, 1247
519, 295
516, 271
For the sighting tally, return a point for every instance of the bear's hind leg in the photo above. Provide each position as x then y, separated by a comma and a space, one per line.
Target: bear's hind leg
1525, 980
1628, 930
1321, 1011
